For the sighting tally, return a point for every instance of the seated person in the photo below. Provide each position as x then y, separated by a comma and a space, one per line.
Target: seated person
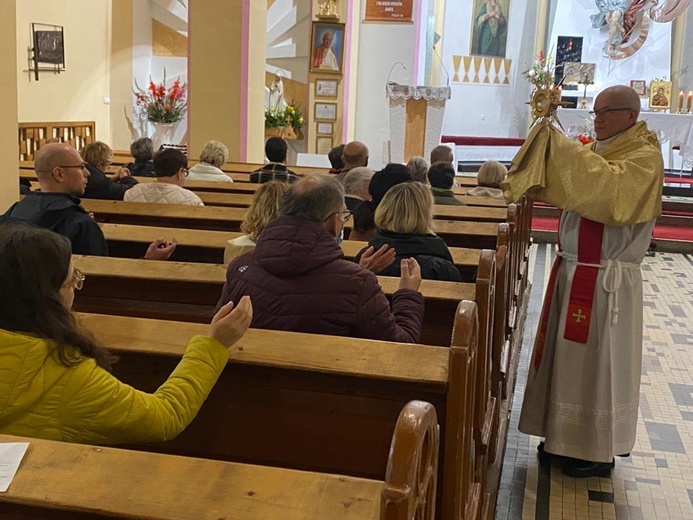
418, 166
405, 223
364, 217
442, 176
335, 158
276, 170
55, 378
354, 155
263, 209
24, 186
170, 169
489, 179
98, 156
299, 281
356, 184
142, 150
62, 177
213, 155
442, 153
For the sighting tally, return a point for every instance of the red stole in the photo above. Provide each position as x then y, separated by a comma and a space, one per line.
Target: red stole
577, 325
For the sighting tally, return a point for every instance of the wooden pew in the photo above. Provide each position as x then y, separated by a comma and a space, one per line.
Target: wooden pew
332, 401
189, 292
476, 235
176, 488
129, 241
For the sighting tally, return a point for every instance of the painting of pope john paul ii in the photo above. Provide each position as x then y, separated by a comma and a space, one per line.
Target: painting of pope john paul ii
490, 29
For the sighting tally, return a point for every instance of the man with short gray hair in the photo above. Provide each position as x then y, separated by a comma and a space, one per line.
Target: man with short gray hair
299, 281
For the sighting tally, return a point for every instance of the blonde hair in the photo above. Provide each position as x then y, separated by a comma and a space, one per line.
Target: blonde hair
264, 208
491, 174
406, 208
418, 166
215, 153
97, 153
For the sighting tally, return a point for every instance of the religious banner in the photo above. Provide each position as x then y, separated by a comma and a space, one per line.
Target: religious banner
389, 10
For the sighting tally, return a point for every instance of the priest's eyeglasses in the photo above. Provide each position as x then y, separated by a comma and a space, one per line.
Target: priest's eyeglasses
604, 111
78, 280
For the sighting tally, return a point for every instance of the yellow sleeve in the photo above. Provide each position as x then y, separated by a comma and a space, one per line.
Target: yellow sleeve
99, 409
621, 188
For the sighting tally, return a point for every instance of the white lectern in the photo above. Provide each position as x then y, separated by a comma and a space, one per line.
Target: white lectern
416, 120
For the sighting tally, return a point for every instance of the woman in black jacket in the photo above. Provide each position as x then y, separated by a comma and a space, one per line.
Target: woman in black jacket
404, 220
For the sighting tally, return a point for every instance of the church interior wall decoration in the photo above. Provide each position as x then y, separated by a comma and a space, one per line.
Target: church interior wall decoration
568, 49
327, 48
640, 86
481, 70
48, 47
490, 28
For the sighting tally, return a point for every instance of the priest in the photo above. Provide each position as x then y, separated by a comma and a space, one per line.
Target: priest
583, 384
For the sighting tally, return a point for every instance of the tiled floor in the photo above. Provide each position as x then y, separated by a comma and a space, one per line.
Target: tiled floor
656, 481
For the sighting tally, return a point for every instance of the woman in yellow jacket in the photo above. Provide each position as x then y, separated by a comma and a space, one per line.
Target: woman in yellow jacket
54, 377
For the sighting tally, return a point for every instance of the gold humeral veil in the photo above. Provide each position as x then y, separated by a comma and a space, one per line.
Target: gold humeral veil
623, 186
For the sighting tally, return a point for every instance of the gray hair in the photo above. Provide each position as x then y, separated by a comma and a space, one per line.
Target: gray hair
315, 197
355, 178
215, 153
418, 166
142, 149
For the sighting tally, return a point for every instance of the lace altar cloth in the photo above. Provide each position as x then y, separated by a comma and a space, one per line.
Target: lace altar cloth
396, 91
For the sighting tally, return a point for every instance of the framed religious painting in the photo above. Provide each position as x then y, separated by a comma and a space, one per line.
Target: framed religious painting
490, 28
327, 48
326, 88
325, 111
660, 95
640, 86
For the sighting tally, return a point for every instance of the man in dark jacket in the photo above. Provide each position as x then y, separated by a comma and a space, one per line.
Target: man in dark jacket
441, 175
299, 281
62, 176
98, 157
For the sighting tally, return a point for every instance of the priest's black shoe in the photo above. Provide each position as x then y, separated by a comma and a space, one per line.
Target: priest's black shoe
585, 468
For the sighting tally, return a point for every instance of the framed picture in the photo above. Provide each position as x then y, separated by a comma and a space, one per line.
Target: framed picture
325, 111
327, 48
568, 50
575, 73
325, 129
490, 27
326, 88
323, 145
640, 86
660, 95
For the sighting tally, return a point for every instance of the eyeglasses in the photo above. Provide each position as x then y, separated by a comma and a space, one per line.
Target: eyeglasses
344, 215
185, 171
82, 166
78, 281
596, 113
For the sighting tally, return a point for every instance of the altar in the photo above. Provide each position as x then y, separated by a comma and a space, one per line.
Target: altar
673, 130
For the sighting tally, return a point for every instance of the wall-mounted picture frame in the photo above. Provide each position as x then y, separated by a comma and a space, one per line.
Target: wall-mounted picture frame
323, 145
48, 47
490, 28
327, 48
640, 86
660, 95
325, 129
325, 111
326, 88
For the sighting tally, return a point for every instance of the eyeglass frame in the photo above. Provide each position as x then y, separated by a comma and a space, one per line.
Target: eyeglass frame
594, 114
186, 172
82, 166
78, 281
340, 214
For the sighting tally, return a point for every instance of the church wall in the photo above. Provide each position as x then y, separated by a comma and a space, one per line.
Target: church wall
78, 93
8, 108
380, 47
686, 69
488, 109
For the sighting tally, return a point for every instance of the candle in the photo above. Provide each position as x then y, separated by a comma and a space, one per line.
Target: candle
681, 96
690, 100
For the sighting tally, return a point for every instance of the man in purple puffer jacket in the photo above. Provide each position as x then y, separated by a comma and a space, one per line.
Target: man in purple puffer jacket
298, 279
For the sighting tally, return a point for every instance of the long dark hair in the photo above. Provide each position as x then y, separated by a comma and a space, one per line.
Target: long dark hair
34, 264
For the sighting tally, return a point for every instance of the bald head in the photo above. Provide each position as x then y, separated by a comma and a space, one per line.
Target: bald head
441, 153
355, 154
616, 110
59, 169
314, 197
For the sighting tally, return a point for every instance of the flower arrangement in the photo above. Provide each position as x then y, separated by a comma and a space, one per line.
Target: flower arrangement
542, 72
162, 105
585, 139
291, 116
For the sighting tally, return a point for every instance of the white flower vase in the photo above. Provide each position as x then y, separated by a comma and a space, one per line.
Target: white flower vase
163, 134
